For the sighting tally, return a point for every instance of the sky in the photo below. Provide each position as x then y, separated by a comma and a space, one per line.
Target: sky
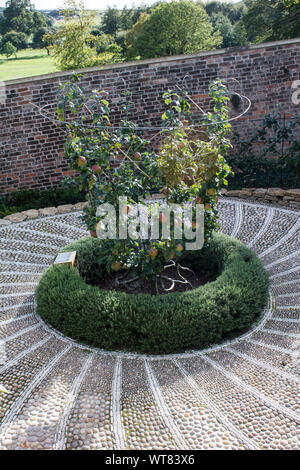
93, 4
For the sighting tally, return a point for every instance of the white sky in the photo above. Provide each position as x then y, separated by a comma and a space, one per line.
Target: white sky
93, 4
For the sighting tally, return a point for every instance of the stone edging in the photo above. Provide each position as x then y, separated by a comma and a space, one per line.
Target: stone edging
284, 197
46, 211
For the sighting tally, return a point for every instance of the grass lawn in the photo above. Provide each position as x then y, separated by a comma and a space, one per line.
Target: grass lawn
29, 62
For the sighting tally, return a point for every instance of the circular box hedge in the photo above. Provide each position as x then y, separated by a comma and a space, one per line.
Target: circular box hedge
143, 323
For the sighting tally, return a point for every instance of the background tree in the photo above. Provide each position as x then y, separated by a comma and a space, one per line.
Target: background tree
241, 38
270, 20
172, 28
129, 16
42, 38
226, 18
18, 40
111, 21
233, 12
20, 16
223, 24
72, 44
8, 49
107, 49
132, 36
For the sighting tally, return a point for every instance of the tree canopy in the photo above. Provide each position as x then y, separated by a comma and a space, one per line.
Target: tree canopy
8, 49
271, 20
71, 43
172, 28
20, 16
74, 46
17, 39
167, 28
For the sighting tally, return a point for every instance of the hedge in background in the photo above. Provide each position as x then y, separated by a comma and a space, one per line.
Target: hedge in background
157, 324
25, 199
270, 158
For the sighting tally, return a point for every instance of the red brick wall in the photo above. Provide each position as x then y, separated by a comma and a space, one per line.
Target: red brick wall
31, 147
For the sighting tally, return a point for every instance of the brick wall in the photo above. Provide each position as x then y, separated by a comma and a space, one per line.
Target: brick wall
31, 147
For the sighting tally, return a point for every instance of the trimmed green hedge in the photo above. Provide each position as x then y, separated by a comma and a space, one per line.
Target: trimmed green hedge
157, 324
35, 199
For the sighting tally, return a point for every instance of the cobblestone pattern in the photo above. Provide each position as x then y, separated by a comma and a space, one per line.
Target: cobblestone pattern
32, 147
242, 394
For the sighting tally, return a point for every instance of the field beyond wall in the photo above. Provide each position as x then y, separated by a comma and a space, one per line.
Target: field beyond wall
29, 62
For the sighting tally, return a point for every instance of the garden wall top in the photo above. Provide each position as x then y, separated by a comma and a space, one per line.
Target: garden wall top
160, 60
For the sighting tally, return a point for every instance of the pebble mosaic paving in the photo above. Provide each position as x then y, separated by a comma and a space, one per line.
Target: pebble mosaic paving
243, 394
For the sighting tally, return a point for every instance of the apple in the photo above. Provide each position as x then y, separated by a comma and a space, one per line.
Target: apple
198, 200
81, 161
137, 156
210, 192
207, 207
172, 254
116, 266
179, 247
96, 168
153, 253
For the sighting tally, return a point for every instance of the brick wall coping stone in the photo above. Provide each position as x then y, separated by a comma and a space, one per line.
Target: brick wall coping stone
45, 212
158, 60
289, 198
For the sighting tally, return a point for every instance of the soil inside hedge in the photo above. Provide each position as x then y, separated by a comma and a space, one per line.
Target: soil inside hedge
144, 286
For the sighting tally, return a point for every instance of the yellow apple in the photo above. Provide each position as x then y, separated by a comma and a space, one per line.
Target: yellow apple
153, 253
116, 266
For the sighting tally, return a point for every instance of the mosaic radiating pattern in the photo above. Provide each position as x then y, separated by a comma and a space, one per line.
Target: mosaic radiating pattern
240, 395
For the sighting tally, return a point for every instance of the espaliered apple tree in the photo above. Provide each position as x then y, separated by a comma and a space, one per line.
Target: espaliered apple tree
192, 158
119, 160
